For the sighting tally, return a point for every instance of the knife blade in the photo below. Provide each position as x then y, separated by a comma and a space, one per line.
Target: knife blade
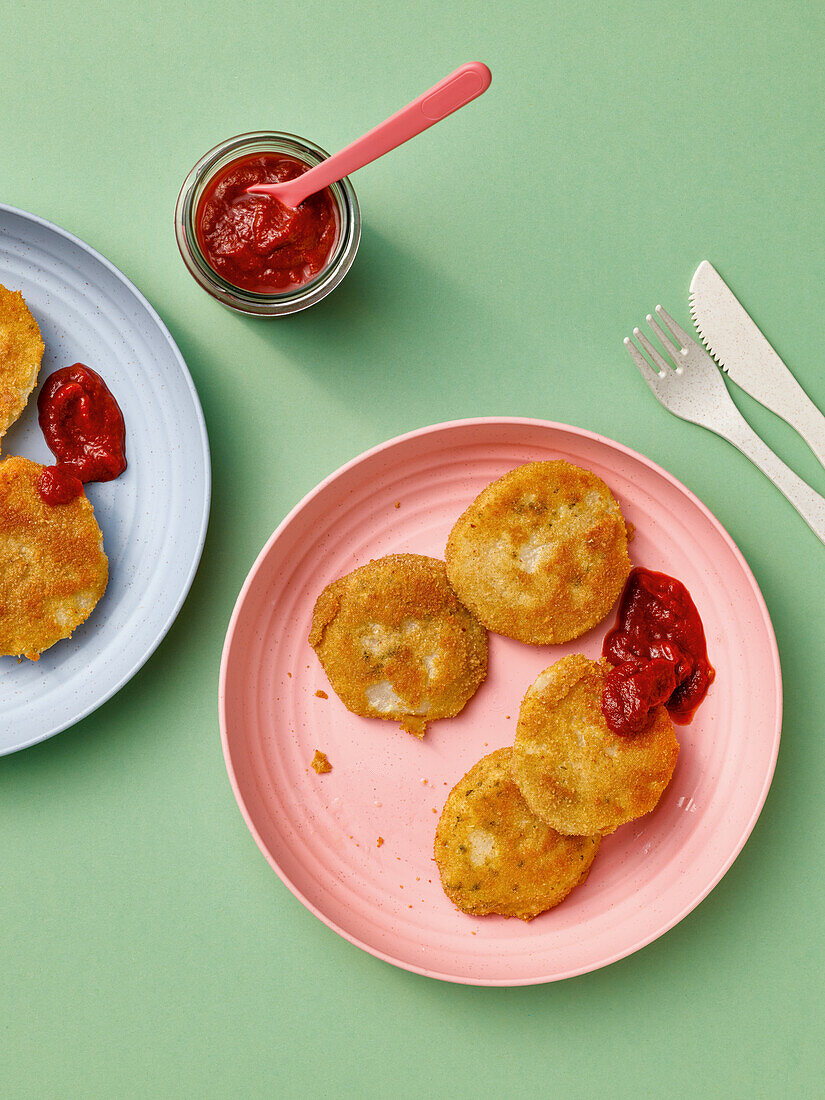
740, 349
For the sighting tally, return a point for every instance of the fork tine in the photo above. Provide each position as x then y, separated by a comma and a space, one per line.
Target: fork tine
655, 355
679, 333
673, 351
652, 377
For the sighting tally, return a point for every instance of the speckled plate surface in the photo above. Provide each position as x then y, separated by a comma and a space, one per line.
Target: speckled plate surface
320, 832
153, 517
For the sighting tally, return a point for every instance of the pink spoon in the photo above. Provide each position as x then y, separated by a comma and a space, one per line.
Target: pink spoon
454, 91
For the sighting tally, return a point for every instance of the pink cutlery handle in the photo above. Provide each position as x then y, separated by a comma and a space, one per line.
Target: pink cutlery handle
454, 91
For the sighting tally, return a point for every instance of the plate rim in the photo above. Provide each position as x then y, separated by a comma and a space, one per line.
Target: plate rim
553, 426
44, 223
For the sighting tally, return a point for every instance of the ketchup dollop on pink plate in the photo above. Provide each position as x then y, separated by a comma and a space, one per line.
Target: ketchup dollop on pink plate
658, 651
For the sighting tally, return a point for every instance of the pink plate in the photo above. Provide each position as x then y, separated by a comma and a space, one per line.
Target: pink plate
320, 832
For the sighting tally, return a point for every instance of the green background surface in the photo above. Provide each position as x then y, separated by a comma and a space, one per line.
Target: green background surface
146, 948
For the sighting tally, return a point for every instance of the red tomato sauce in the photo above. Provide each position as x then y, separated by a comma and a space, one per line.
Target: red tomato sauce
84, 429
255, 242
659, 652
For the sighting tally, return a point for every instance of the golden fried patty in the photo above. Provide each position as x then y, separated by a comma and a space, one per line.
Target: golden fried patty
541, 554
397, 644
574, 772
21, 350
495, 856
52, 567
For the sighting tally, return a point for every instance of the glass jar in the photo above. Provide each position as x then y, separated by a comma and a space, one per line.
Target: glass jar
247, 301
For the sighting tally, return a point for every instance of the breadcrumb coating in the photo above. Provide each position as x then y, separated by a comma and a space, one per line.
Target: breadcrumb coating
21, 352
397, 644
495, 855
573, 770
53, 570
541, 554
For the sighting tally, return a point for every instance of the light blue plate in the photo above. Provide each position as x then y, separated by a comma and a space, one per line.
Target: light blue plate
153, 517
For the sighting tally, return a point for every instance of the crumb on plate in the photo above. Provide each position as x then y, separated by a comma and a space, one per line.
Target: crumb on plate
320, 762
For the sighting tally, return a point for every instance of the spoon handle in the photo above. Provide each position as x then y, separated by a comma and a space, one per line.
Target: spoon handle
454, 91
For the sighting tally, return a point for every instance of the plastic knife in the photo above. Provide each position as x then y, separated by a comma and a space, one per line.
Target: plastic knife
741, 350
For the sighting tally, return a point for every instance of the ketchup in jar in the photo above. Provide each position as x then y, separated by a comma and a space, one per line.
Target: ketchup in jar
257, 243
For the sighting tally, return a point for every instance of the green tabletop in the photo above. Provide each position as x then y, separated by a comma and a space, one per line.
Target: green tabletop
146, 948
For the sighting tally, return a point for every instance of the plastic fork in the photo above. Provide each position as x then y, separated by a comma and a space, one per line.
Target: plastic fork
688, 383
